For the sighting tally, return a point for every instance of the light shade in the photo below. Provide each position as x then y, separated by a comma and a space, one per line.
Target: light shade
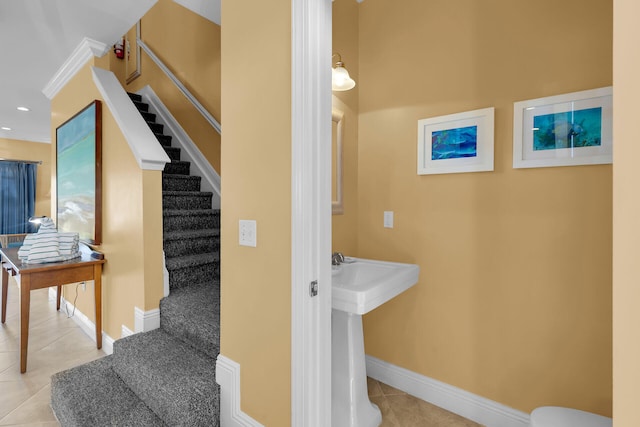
340, 79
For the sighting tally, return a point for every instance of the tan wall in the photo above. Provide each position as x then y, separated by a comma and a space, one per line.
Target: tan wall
189, 45
26, 150
626, 211
132, 215
514, 298
256, 150
345, 42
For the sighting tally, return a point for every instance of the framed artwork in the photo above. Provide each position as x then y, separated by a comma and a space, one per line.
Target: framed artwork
79, 174
564, 130
455, 143
132, 53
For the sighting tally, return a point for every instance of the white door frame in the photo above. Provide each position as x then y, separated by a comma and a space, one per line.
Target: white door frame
311, 212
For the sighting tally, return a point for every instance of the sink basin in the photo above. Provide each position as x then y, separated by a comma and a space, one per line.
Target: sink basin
360, 285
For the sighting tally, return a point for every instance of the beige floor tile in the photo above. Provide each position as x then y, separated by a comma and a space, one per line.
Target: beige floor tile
387, 390
34, 411
373, 387
56, 343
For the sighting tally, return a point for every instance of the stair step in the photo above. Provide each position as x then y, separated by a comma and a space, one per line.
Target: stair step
186, 199
177, 167
175, 381
148, 117
189, 242
193, 315
179, 219
94, 395
134, 97
165, 140
156, 127
173, 152
141, 106
188, 270
174, 182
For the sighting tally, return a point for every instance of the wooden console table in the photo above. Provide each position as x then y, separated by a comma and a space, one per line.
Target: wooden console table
38, 276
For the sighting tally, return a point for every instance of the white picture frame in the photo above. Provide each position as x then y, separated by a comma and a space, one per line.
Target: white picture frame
564, 130
456, 143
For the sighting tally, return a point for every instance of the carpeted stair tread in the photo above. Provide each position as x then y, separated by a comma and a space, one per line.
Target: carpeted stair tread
177, 383
135, 97
175, 182
148, 117
141, 106
181, 219
193, 315
156, 127
94, 395
186, 199
165, 140
191, 234
173, 152
190, 261
178, 167
186, 242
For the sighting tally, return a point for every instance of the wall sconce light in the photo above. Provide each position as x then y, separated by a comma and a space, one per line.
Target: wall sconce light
340, 79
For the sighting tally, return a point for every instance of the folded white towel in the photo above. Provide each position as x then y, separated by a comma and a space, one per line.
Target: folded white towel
47, 245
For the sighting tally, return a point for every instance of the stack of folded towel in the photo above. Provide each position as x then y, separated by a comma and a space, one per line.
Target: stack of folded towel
47, 245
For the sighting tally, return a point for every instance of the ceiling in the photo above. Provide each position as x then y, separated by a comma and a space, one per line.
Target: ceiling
37, 38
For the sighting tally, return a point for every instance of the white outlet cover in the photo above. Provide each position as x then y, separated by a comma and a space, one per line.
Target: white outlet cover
247, 232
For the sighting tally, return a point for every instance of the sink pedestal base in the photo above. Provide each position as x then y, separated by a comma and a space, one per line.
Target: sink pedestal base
349, 397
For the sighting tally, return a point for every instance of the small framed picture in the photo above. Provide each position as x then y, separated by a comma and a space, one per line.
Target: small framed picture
456, 143
564, 130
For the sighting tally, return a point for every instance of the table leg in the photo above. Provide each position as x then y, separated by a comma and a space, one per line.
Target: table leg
25, 303
97, 280
59, 294
5, 288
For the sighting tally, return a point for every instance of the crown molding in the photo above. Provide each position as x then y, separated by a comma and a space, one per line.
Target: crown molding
87, 49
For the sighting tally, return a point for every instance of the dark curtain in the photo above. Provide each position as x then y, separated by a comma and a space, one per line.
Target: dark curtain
17, 196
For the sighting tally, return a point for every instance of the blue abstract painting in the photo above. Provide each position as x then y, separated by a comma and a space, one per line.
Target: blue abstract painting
570, 129
454, 143
76, 174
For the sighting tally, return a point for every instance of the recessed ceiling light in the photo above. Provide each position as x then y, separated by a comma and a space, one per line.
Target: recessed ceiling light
23, 109
5, 128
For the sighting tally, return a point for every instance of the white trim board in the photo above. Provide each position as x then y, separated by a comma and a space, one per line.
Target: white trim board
454, 399
146, 320
86, 49
144, 145
87, 326
228, 377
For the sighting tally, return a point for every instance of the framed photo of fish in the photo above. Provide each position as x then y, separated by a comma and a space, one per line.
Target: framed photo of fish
564, 130
455, 143
79, 174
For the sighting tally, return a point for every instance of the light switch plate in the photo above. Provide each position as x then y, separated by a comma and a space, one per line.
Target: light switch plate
247, 233
388, 219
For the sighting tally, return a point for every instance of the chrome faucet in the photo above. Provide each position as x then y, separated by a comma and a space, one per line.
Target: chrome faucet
337, 258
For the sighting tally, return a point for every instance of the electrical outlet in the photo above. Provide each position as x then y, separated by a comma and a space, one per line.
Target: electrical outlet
84, 286
388, 219
247, 233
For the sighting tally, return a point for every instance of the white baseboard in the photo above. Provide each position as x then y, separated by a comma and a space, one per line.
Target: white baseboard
146, 320
228, 377
125, 332
456, 400
87, 326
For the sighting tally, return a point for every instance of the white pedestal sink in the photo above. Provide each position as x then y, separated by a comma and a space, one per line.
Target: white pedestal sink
359, 286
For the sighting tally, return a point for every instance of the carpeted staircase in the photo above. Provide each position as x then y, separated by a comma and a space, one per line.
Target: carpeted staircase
165, 376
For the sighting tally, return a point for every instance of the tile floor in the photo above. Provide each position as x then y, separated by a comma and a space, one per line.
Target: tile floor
400, 409
57, 343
